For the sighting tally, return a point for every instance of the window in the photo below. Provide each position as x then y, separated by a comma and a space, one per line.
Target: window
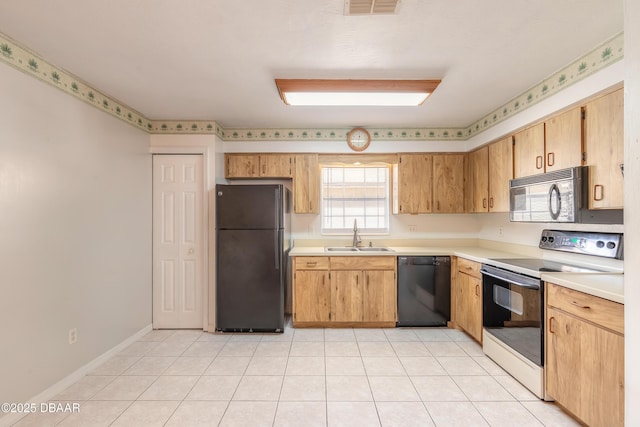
360, 193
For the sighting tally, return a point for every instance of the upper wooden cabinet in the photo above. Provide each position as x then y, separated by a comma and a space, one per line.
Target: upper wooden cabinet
415, 190
490, 169
549, 146
258, 166
448, 183
604, 150
306, 184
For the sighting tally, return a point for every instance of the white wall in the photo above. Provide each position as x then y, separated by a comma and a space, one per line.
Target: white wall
632, 211
75, 233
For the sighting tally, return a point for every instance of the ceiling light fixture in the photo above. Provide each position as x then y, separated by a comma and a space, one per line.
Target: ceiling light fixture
386, 93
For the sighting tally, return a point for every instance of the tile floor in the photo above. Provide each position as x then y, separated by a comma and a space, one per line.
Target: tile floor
303, 377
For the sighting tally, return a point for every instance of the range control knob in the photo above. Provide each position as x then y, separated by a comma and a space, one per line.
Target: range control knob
543, 238
600, 244
551, 239
611, 245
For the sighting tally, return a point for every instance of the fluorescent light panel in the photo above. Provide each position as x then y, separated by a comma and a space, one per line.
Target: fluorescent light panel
355, 92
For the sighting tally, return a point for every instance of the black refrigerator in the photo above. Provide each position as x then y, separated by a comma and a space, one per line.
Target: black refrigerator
252, 251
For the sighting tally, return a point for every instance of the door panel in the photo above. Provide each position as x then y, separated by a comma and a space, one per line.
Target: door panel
178, 257
346, 296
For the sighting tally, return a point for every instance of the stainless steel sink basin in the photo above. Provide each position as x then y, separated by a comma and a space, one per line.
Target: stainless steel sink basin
341, 249
369, 249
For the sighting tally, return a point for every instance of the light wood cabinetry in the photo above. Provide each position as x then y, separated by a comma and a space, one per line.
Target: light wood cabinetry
361, 291
448, 183
604, 150
490, 169
306, 184
415, 187
549, 146
584, 366
468, 298
258, 166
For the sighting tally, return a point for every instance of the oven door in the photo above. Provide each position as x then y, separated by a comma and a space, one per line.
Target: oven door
513, 311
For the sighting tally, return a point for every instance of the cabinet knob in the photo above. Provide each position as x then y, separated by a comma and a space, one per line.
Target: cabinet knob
551, 319
598, 192
551, 159
539, 162
491, 202
484, 202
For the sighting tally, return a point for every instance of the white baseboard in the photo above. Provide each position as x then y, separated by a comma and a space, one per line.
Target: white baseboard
75, 376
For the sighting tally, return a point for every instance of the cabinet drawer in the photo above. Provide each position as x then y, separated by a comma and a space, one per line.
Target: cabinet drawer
363, 263
600, 311
312, 263
471, 268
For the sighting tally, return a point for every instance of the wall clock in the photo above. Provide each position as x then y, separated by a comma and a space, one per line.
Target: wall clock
358, 139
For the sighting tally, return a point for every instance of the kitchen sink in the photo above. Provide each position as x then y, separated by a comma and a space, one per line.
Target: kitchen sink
352, 249
341, 249
370, 249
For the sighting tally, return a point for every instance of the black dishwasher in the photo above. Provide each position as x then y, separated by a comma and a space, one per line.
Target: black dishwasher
424, 290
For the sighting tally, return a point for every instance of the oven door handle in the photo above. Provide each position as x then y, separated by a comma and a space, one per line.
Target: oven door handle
510, 280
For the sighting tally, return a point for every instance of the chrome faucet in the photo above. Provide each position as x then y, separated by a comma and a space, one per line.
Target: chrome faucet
356, 238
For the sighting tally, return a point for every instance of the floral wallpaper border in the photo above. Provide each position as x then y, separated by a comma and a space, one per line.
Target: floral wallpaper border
21, 58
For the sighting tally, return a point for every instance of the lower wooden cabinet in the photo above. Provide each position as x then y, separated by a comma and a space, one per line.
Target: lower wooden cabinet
345, 291
467, 294
584, 367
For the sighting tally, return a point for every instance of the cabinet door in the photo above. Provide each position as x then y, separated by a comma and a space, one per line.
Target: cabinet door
415, 190
469, 305
585, 369
242, 165
448, 183
276, 165
500, 172
528, 151
479, 176
306, 184
379, 300
346, 296
604, 148
563, 140
312, 296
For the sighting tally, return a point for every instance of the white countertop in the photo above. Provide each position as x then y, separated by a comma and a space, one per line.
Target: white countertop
604, 285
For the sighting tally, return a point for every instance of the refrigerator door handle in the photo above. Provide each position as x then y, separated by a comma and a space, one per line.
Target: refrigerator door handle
277, 208
277, 248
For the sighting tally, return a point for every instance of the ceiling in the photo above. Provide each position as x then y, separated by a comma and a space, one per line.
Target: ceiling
217, 59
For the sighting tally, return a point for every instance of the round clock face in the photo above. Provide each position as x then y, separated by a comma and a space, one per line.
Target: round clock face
358, 139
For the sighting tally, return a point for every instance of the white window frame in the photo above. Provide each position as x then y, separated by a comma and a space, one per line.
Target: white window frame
348, 218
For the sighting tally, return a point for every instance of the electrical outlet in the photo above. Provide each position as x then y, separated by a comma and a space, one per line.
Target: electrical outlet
73, 336
412, 229
500, 232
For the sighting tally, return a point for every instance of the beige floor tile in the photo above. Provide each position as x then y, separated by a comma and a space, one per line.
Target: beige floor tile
401, 334
438, 389
286, 336
383, 366
339, 335
307, 348
166, 349
460, 366
146, 414
447, 349
348, 389
272, 349
472, 348
432, 334
259, 387
189, 366
349, 414
215, 337
150, 366
341, 348
455, 414
158, 335
197, 414
303, 388
403, 414
368, 348
489, 365
422, 366
228, 365
235, 349
95, 413
170, 388
185, 335
412, 349
40, 419
214, 388
125, 388
393, 389
85, 388
550, 414
296, 414
516, 389
457, 335
305, 366
115, 366
308, 334
203, 349
507, 414
139, 348
344, 365
248, 337
371, 335
249, 414
267, 365
479, 388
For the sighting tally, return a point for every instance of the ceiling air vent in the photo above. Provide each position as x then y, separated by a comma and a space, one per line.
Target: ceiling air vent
370, 7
